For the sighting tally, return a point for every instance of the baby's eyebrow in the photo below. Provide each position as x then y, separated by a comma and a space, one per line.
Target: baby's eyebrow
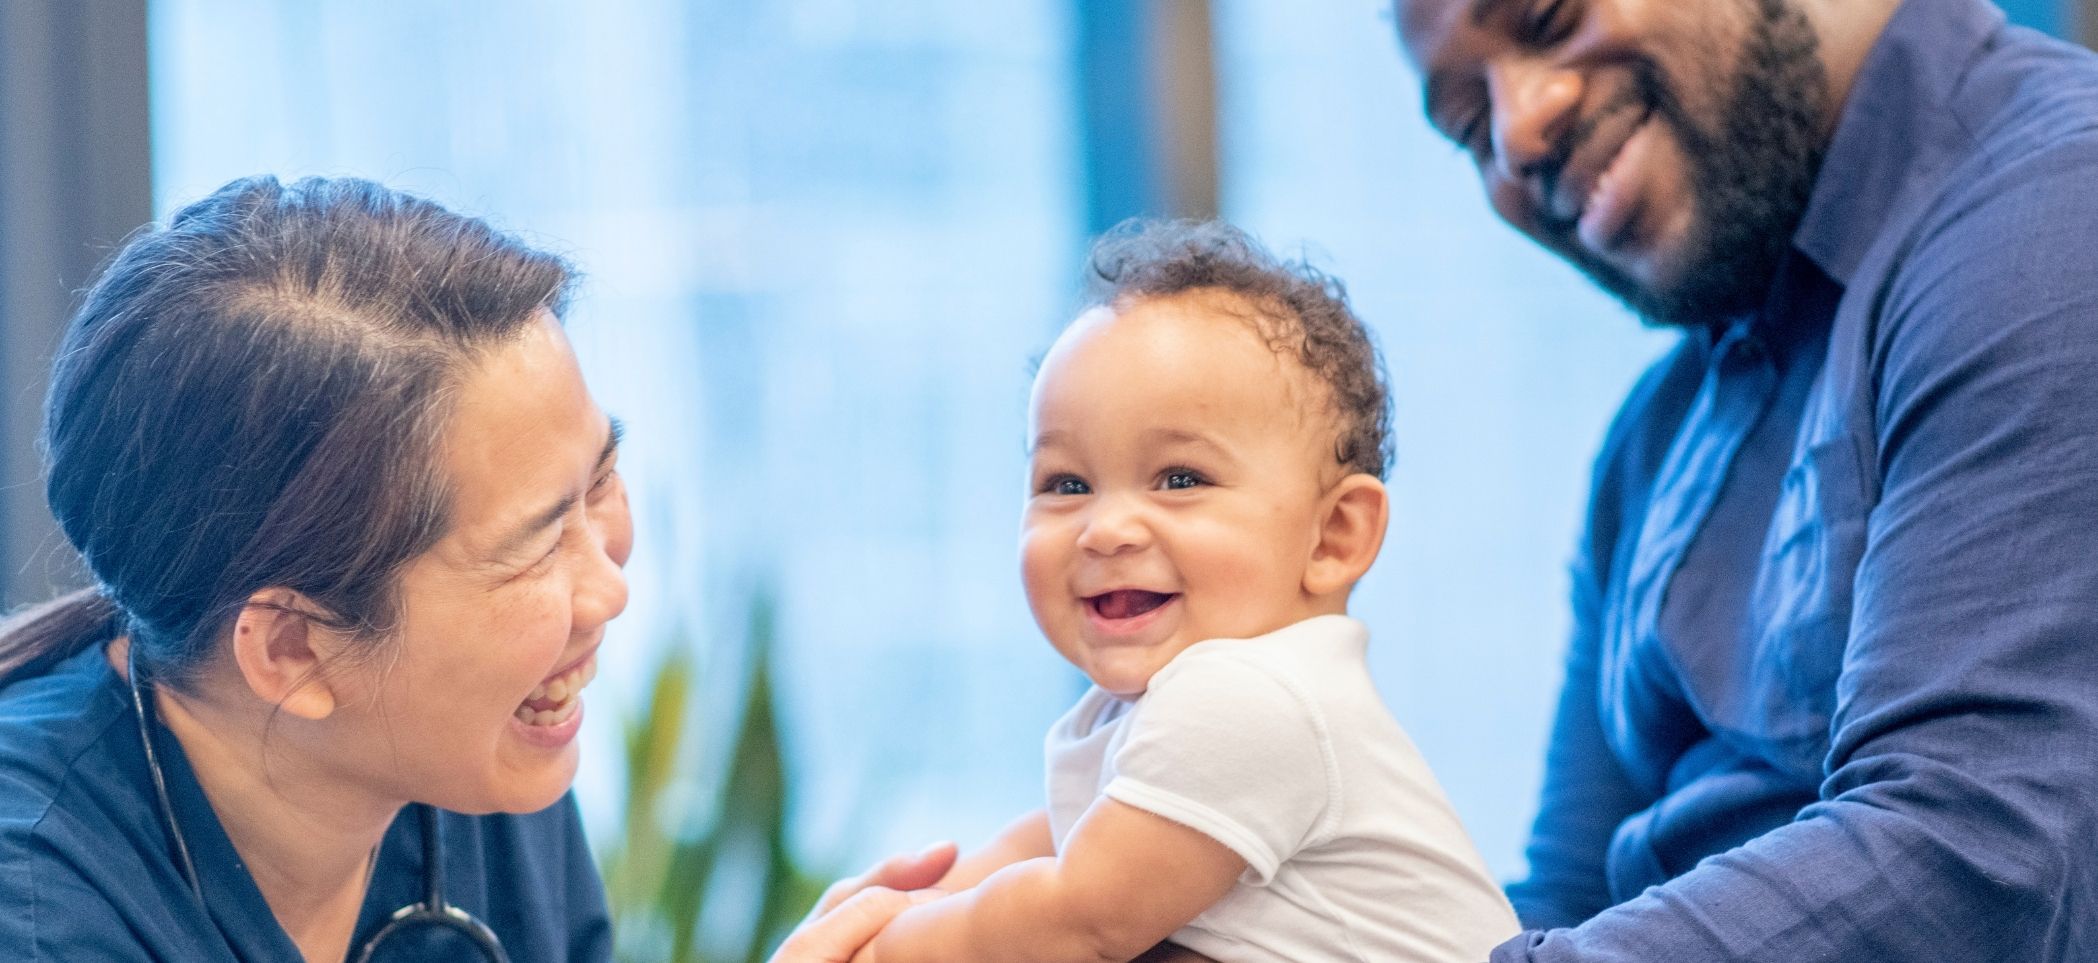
1184, 436
1180, 436
1048, 439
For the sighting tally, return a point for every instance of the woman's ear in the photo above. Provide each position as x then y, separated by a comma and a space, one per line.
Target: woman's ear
1352, 519
280, 650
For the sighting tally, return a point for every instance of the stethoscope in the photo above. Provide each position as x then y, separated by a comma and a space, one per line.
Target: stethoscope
432, 910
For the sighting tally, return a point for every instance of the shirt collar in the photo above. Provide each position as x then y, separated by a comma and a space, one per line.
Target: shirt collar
1896, 129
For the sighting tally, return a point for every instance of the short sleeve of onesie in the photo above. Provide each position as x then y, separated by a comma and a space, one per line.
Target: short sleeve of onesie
1234, 751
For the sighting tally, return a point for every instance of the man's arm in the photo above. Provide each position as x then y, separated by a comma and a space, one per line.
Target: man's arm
1955, 821
1586, 792
1125, 880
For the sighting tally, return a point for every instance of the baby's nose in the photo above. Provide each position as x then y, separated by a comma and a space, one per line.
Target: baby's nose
1114, 526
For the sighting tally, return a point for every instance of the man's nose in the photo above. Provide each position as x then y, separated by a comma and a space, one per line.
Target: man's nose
1534, 108
1114, 525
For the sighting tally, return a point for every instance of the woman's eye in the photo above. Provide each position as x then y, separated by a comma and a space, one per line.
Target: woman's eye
603, 482
540, 564
1178, 478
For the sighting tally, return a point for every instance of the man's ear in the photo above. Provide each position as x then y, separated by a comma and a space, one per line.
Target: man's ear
280, 650
1352, 519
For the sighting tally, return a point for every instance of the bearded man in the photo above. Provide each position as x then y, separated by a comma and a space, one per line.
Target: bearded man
1832, 693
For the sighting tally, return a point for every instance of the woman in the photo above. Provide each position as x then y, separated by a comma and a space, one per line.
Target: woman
356, 528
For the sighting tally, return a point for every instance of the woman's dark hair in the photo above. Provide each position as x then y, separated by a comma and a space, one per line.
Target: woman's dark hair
1301, 311
253, 397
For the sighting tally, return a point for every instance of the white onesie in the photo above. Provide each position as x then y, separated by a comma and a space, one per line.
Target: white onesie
1279, 748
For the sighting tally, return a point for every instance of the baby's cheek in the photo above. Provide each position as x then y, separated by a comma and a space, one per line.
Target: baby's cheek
1040, 566
1252, 582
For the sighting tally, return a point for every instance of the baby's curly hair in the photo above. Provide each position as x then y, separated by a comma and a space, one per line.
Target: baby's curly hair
1306, 312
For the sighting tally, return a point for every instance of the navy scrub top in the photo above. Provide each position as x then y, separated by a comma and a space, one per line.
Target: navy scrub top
88, 871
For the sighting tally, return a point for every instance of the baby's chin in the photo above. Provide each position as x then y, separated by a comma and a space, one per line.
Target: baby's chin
1122, 685
1126, 678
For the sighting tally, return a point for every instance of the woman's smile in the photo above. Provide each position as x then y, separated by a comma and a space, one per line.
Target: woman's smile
560, 696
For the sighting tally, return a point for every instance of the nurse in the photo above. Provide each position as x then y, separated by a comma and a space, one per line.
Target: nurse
356, 526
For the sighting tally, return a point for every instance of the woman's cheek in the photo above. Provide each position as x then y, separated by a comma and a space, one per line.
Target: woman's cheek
534, 629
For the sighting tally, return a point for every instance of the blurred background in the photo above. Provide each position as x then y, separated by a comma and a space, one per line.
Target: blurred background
823, 241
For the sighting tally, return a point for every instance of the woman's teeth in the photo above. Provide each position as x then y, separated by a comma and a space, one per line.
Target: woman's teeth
557, 699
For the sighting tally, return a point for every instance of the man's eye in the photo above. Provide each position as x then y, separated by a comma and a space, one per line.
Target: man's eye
1545, 24
1468, 136
1178, 478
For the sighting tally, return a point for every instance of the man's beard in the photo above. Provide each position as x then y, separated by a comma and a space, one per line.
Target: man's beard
1749, 179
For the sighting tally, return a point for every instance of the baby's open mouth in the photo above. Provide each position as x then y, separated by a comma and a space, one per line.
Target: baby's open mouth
1127, 603
556, 699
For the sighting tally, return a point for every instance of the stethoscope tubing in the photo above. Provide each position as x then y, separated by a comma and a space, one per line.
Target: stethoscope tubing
432, 911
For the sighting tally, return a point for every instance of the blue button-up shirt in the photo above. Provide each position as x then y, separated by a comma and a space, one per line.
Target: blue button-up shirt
1833, 688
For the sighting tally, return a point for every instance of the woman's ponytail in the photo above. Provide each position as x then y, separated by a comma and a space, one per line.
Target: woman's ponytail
35, 638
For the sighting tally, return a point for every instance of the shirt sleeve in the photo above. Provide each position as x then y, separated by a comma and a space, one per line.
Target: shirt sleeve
1234, 752
1587, 793
1956, 818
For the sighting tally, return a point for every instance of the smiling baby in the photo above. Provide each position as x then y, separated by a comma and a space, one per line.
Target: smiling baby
1208, 444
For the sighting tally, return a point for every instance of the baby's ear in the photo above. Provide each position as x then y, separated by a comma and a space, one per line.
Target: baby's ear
1352, 519
280, 651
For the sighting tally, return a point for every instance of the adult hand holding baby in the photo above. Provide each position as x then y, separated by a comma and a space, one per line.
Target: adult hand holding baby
855, 908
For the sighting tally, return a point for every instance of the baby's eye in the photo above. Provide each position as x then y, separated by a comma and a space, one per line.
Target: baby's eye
1065, 485
1177, 478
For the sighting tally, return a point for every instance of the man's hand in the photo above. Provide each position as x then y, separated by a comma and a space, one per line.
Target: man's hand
853, 909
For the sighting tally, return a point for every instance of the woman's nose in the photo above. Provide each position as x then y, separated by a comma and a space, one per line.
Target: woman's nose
600, 583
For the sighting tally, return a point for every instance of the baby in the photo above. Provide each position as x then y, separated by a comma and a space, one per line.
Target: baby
1207, 443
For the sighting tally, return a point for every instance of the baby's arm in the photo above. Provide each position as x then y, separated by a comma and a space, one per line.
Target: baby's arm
1125, 880
1027, 838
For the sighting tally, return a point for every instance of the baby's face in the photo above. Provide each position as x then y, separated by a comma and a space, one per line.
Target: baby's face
1178, 470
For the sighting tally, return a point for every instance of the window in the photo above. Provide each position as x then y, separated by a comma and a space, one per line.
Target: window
821, 241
